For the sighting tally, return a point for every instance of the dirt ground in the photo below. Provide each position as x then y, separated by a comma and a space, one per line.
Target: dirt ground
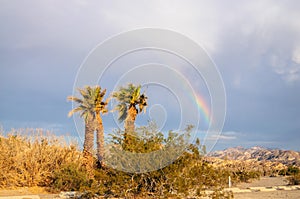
22, 191
264, 182
271, 195
267, 182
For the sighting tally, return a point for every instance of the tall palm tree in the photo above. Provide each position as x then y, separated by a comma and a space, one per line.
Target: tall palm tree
100, 108
131, 102
90, 106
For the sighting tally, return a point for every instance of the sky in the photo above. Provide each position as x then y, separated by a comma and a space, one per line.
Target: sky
254, 44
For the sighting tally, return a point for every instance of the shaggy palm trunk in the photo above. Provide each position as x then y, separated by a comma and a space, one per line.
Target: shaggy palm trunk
100, 138
88, 145
130, 119
129, 124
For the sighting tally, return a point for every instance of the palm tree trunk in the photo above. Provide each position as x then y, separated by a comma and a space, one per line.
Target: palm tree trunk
88, 145
129, 124
130, 119
100, 138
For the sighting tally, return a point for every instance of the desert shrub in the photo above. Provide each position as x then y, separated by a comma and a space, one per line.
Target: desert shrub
28, 157
240, 171
221, 194
293, 174
188, 175
246, 176
69, 177
291, 170
294, 179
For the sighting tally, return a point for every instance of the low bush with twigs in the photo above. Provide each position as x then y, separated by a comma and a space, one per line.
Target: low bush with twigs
30, 157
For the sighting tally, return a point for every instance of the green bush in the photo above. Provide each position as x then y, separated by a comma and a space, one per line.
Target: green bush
291, 170
70, 177
294, 179
294, 175
188, 175
246, 176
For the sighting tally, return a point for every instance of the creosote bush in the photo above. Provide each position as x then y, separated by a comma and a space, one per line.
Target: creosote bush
294, 179
70, 177
188, 176
293, 174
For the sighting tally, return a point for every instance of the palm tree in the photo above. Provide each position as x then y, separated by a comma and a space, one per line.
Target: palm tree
90, 106
131, 102
100, 108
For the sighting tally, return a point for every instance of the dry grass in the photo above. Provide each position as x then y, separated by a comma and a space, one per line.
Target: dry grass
28, 157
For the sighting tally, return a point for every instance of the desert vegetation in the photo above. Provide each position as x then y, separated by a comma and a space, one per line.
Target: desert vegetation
51, 162
36, 158
29, 157
293, 174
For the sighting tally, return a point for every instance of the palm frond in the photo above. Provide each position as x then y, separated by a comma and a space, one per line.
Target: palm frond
142, 103
75, 99
122, 108
77, 109
135, 95
90, 102
83, 93
129, 96
102, 93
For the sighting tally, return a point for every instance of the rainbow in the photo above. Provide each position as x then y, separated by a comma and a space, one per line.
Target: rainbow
202, 107
199, 100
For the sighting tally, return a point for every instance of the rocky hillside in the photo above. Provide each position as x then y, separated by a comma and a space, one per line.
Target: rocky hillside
286, 157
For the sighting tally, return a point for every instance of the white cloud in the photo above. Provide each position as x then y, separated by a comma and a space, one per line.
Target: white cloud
229, 135
287, 66
221, 137
296, 55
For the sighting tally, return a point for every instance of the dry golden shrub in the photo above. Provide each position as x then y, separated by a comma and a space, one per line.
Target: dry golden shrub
28, 157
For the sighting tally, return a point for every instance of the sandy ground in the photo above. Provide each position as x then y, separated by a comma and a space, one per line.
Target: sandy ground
25, 191
271, 195
267, 182
22, 191
264, 182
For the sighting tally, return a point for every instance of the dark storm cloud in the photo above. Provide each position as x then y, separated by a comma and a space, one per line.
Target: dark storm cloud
255, 44
262, 77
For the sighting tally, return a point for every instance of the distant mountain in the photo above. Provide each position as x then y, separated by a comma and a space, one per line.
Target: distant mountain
286, 157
